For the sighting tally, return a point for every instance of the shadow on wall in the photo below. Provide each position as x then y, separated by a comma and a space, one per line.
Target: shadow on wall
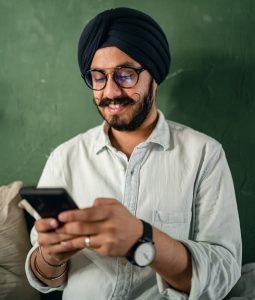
215, 95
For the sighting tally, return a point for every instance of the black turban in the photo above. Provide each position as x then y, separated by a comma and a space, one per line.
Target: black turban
134, 33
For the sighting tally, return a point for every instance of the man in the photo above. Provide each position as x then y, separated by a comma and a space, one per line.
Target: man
158, 217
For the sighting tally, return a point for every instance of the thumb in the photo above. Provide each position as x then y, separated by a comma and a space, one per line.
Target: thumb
104, 201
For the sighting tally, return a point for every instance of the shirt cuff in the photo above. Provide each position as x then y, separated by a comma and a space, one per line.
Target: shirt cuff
169, 292
33, 281
202, 271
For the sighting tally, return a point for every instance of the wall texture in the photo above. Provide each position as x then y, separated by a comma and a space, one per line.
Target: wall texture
43, 100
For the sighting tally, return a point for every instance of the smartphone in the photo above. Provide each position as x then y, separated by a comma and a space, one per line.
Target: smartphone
45, 202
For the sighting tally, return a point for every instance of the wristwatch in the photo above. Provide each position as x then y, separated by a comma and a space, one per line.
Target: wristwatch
143, 252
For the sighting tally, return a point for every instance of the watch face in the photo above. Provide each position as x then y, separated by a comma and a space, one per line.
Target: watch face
144, 254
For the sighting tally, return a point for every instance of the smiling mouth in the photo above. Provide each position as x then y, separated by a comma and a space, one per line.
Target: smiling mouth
116, 103
116, 106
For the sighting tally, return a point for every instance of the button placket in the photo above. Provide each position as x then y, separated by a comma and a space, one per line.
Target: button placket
130, 197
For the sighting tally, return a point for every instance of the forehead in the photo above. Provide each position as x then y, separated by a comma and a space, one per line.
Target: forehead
110, 57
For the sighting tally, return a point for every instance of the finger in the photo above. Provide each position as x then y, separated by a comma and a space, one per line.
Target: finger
45, 239
101, 245
58, 252
80, 243
46, 225
79, 228
90, 214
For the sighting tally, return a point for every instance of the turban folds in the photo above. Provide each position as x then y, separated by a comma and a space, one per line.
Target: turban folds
131, 31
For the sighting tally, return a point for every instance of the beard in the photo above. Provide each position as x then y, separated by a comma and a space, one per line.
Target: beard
140, 112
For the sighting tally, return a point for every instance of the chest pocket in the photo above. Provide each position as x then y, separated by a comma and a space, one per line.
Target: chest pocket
175, 224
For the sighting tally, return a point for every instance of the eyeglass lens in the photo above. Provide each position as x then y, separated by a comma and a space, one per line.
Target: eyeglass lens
124, 77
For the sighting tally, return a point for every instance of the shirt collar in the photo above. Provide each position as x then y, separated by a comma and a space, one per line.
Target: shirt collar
103, 141
160, 135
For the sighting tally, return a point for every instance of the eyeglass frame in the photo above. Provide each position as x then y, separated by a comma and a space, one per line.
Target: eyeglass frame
137, 70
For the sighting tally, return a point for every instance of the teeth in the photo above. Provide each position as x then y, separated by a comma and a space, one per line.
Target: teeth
114, 106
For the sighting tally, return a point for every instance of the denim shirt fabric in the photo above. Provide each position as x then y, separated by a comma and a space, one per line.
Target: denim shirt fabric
179, 181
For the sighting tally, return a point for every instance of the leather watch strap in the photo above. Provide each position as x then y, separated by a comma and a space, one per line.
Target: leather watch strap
145, 238
147, 232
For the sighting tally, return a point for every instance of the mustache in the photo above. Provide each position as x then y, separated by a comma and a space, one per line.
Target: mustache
121, 101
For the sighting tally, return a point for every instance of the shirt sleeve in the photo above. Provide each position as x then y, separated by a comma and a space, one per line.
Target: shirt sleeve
33, 281
50, 177
215, 238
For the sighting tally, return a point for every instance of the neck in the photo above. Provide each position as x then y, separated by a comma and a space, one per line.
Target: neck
126, 141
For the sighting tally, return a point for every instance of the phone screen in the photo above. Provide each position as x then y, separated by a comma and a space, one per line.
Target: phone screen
48, 202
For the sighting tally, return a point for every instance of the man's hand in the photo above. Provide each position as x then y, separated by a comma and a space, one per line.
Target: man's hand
50, 241
47, 261
112, 229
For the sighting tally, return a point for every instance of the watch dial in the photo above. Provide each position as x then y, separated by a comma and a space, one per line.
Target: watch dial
144, 254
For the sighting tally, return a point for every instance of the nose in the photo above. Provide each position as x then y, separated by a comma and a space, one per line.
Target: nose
111, 90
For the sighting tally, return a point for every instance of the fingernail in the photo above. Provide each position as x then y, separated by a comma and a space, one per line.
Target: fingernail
53, 223
61, 218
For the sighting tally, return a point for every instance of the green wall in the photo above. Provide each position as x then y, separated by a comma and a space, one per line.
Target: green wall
211, 86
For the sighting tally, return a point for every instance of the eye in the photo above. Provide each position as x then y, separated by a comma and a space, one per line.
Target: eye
125, 75
98, 77
126, 78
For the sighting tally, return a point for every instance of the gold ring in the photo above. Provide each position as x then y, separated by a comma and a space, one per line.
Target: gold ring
87, 241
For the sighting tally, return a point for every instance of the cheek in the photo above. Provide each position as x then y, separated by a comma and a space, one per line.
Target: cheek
135, 95
141, 90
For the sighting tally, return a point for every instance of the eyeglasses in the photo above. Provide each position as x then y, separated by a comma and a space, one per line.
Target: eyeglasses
124, 77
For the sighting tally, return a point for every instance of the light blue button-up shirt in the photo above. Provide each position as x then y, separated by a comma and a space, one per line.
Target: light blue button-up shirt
179, 181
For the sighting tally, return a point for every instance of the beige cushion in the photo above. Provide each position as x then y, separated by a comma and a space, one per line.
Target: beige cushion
14, 245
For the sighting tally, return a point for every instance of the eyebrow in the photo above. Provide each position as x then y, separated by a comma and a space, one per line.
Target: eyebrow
125, 64
128, 64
